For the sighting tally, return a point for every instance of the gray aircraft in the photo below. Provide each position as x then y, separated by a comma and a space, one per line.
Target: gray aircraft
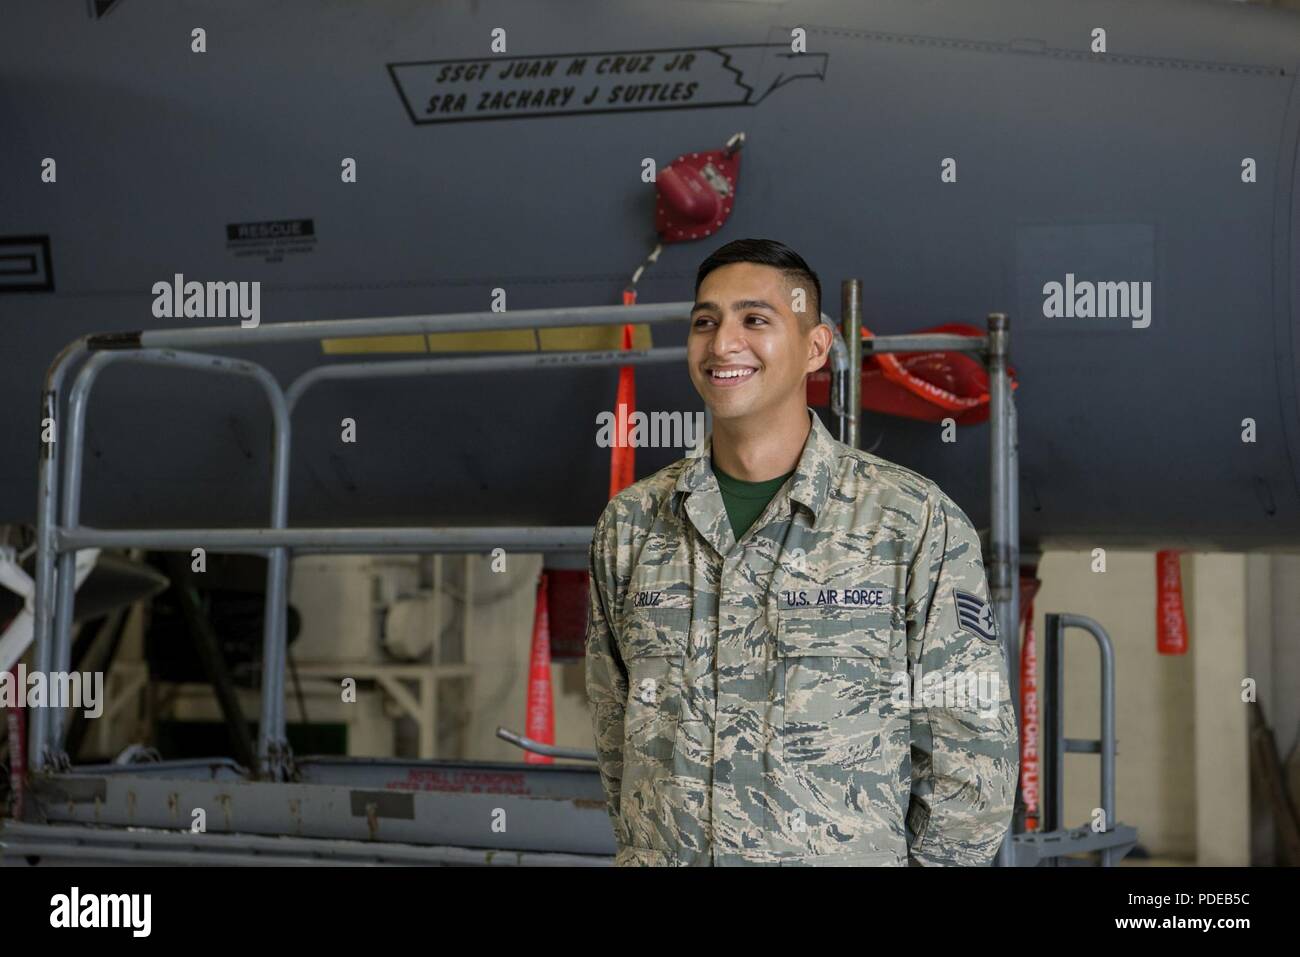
474, 174
1121, 179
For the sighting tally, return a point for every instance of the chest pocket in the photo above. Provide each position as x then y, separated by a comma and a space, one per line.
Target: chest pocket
843, 739
655, 635
838, 669
656, 630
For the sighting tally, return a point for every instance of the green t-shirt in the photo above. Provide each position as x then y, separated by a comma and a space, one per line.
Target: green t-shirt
745, 501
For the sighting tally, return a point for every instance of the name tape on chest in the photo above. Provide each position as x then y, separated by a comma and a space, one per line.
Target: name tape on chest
803, 598
836, 598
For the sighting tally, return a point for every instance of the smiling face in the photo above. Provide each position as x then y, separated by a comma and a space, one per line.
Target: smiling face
748, 350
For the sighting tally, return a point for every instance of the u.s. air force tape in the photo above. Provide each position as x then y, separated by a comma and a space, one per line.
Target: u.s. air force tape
975, 615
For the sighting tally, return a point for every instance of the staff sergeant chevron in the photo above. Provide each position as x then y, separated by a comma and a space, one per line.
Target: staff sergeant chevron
975, 615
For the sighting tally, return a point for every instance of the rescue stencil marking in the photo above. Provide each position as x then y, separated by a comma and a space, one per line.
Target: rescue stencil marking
621, 81
272, 239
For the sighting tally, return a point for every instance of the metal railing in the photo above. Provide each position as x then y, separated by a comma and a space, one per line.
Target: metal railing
1113, 839
59, 540
60, 533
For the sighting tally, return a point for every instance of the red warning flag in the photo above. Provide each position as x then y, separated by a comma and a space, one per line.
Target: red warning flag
622, 457
540, 720
1029, 757
1171, 623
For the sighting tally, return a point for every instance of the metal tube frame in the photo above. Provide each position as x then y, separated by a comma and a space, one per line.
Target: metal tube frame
1004, 525
851, 317
1058, 745
58, 540
56, 547
271, 743
840, 365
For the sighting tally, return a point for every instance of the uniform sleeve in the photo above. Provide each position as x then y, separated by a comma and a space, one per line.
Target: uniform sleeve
965, 758
606, 675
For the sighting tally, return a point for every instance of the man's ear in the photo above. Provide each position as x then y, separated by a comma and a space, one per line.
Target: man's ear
820, 338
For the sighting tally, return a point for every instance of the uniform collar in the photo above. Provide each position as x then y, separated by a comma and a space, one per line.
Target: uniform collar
809, 486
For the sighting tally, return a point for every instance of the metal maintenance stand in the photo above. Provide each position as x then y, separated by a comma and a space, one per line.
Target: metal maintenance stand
321, 807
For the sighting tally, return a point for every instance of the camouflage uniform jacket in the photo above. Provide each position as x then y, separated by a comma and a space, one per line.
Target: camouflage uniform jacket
763, 702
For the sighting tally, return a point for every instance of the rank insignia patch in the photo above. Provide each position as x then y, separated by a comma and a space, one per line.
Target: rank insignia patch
975, 615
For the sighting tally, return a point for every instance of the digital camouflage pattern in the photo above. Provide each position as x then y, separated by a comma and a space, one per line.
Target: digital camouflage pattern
746, 695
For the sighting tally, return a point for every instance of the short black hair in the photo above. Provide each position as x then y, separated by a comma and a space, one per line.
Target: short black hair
766, 252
